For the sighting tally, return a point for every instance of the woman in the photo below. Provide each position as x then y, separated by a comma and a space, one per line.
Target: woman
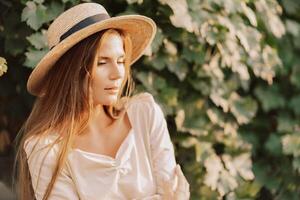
85, 138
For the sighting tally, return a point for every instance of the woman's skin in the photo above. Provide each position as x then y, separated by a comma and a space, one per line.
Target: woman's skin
109, 71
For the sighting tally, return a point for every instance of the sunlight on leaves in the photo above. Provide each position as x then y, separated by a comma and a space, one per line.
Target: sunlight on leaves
239, 165
38, 40
291, 144
181, 17
244, 109
3, 66
213, 167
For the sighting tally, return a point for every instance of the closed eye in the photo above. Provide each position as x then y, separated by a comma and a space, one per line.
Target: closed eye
101, 63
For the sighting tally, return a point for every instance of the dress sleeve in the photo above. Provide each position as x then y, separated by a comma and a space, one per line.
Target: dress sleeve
63, 188
162, 150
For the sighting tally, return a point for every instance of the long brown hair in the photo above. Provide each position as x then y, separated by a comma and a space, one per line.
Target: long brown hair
66, 107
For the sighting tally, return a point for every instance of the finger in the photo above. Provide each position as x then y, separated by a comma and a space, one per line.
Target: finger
167, 187
172, 180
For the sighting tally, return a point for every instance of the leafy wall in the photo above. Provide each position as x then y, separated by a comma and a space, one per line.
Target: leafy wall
226, 73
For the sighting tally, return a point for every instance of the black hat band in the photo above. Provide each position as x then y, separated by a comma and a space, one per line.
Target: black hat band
82, 24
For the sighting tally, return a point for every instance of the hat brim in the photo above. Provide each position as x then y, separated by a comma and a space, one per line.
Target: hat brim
140, 28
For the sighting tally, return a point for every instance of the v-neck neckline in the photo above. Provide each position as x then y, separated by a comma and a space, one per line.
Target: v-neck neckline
126, 140
121, 147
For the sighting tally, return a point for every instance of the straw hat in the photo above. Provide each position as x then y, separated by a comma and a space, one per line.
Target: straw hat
81, 21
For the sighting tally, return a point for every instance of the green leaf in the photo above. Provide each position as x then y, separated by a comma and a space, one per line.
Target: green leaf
227, 183
291, 144
205, 191
239, 165
269, 15
38, 40
294, 104
273, 145
74, 2
147, 79
291, 6
159, 83
248, 190
249, 13
195, 120
34, 56
213, 167
134, 1
293, 27
269, 97
38, 1
194, 54
211, 34
34, 14
53, 10
264, 63
170, 96
200, 85
178, 67
296, 164
158, 61
215, 116
202, 149
157, 41
285, 122
170, 47
181, 17
244, 109
295, 76
264, 176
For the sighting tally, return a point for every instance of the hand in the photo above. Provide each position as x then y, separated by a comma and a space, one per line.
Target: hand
182, 187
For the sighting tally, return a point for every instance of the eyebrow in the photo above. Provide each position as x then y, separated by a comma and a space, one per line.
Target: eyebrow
105, 57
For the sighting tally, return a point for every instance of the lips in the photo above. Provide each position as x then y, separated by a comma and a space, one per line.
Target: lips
111, 88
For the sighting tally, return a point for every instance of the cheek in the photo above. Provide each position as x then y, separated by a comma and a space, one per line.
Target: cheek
122, 73
99, 81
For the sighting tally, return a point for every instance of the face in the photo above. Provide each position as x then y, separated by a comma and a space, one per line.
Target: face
108, 70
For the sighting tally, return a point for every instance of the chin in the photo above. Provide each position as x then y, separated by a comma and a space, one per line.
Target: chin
109, 100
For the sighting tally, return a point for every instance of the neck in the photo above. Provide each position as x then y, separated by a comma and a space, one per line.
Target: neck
100, 122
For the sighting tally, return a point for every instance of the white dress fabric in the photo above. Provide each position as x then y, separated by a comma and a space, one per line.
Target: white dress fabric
144, 159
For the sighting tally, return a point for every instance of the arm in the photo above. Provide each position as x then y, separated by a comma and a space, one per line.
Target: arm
63, 188
170, 183
182, 191
170, 180
162, 149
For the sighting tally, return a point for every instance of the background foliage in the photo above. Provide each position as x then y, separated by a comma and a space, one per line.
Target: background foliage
226, 73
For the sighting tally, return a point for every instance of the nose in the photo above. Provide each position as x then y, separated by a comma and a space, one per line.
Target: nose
117, 71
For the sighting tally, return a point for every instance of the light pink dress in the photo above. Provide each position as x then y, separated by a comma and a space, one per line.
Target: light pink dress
143, 160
